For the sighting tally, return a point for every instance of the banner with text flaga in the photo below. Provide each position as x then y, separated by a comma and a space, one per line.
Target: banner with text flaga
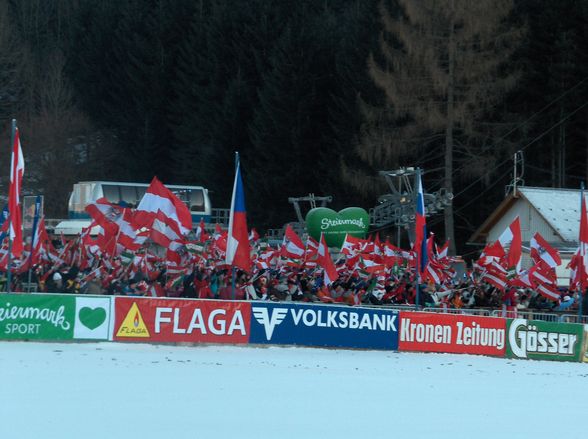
181, 320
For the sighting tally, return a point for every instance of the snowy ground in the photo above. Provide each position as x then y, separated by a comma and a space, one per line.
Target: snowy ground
111, 390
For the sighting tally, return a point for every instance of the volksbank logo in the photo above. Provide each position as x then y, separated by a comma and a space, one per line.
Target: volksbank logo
271, 318
262, 315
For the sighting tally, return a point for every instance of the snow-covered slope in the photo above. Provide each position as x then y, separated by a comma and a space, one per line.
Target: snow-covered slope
108, 390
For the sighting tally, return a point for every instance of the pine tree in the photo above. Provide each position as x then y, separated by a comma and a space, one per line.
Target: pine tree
554, 57
291, 123
442, 72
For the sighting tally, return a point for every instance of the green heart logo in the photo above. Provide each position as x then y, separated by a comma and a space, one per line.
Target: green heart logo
352, 220
92, 317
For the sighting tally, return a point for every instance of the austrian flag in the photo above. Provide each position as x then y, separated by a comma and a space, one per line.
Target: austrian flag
325, 261
158, 198
511, 238
542, 251
292, 245
14, 207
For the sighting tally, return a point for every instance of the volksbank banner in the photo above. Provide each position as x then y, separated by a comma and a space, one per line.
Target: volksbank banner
54, 317
538, 340
319, 325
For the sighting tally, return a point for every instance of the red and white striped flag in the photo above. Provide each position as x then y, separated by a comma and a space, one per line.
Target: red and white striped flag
352, 245
158, 198
14, 207
512, 238
325, 261
292, 245
542, 251
583, 248
201, 235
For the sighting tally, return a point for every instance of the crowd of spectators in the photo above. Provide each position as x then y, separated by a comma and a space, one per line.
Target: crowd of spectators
279, 285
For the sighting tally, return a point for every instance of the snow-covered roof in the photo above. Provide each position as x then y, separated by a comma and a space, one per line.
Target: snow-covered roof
73, 227
559, 207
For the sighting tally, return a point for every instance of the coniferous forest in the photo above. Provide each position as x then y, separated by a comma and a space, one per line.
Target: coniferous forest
316, 95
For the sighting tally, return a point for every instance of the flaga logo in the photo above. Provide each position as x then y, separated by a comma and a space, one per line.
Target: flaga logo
323, 319
133, 324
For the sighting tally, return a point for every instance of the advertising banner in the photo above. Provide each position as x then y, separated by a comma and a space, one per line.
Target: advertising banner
451, 333
323, 325
93, 320
181, 320
36, 317
585, 345
54, 317
539, 340
334, 226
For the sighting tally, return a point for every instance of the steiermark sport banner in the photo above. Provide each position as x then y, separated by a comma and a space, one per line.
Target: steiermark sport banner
539, 340
54, 317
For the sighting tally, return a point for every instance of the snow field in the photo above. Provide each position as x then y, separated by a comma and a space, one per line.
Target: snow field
115, 390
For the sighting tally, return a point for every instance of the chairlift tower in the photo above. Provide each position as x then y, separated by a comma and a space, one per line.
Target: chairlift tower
398, 208
312, 199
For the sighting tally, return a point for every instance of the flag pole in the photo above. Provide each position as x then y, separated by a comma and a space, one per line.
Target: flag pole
581, 288
35, 223
9, 274
233, 269
418, 255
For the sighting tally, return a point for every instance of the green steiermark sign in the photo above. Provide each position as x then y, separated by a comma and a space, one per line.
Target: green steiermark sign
36, 317
335, 225
539, 340
54, 317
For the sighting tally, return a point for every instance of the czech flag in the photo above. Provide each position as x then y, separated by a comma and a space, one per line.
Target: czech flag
420, 241
238, 249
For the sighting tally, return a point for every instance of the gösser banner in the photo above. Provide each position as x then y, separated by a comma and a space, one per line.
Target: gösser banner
430, 332
54, 317
538, 340
319, 325
181, 320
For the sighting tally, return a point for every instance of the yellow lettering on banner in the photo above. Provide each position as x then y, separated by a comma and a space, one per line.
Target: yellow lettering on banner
133, 324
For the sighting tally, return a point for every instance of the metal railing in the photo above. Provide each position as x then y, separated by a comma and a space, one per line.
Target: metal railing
220, 216
485, 312
535, 315
461, 311
573, 318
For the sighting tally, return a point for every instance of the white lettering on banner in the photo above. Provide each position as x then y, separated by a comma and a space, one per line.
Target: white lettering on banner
159, 319
323, 319
22, 328
309, 318
211, 322
56, 318
526, 339
177, 329
479, 336
424, 333
326, 223
473, 335
237, 324
215, 324
197, 322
